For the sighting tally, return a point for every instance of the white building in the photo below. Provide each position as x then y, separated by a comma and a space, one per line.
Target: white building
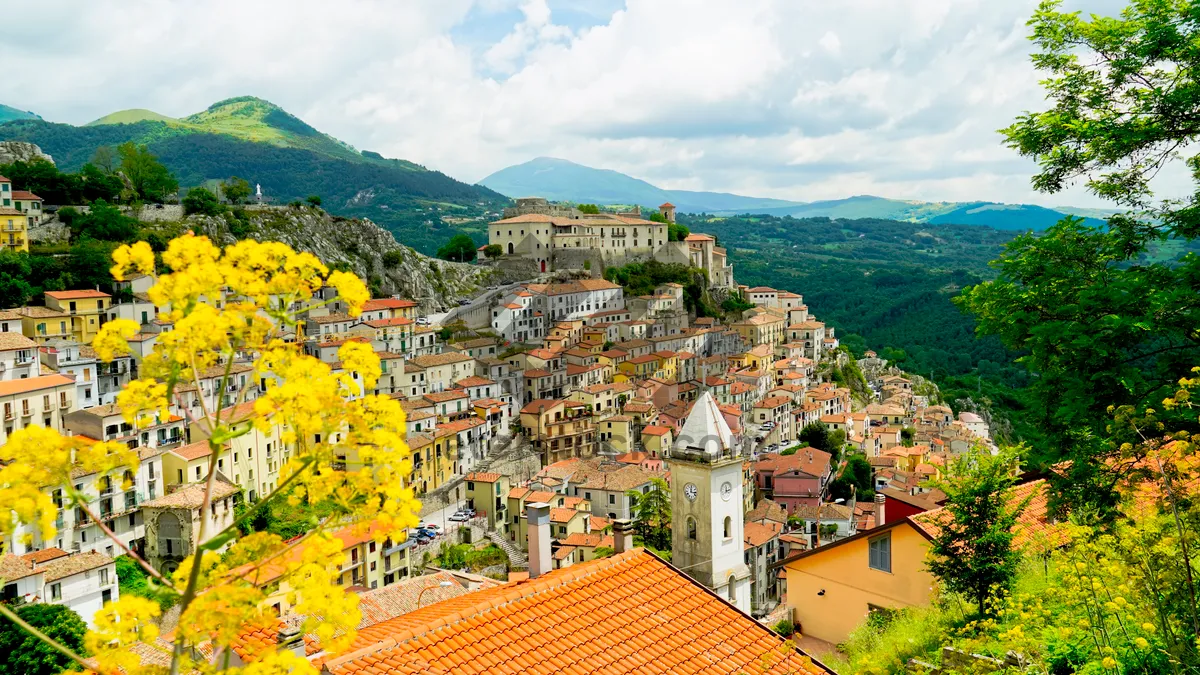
83, 582
18, 355
527, 314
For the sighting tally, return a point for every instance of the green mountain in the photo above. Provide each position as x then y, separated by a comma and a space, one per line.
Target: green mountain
9, 113
261, 142
561, 180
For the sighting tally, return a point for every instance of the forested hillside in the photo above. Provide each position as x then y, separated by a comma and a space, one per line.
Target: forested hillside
889, 286
265, 145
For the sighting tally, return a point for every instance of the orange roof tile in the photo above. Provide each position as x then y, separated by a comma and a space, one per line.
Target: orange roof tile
657, 620
483, 477
76, 295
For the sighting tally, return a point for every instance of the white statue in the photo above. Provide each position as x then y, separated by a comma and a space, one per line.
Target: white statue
258, 191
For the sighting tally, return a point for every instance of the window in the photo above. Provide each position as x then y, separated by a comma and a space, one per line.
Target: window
728, 534
880, 553
56, 591
691, 528
104, 576
612, 499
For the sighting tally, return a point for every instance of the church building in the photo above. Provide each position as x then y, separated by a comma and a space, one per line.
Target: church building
706, 504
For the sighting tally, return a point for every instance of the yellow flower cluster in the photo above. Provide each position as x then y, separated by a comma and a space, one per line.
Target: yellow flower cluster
238, 304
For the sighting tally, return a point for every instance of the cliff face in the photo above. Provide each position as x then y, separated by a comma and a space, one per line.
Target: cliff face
13, 151
361, 245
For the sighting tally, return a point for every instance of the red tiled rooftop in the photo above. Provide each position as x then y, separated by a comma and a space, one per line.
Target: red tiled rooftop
656, 620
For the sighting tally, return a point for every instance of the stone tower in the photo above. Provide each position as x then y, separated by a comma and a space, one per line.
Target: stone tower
667, 211
706, 504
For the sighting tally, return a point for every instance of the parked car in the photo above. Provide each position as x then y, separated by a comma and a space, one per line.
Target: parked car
422, 321
432, 527
470, 512
423, 539
459, 517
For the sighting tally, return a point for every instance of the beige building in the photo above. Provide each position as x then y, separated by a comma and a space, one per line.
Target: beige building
42, 401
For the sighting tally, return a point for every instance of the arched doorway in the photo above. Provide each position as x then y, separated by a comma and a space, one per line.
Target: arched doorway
543, 265
510, 248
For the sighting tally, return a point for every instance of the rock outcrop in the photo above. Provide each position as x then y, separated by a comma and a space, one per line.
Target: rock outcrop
14, 151
367, 249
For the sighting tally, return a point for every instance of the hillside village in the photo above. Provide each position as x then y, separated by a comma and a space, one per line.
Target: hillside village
535, 435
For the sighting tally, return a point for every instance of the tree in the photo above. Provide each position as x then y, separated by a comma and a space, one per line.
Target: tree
460, 248
15, 270
853, 480
393, 258
88, 264
105, 158
21, 652
149, 180
657, 217
202, 201
97, 183
676, 232
736, 303
313, 200
972, 551
815, 434
652, 513
1102, 325
588, 208
213, 587
236, 190
493, 251
103, 222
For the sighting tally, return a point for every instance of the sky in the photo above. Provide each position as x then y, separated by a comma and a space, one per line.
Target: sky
794, 99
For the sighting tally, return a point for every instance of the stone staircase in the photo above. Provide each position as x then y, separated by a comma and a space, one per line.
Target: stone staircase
516, 557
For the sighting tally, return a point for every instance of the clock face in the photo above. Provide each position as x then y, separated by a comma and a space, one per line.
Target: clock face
726, 490
690, 492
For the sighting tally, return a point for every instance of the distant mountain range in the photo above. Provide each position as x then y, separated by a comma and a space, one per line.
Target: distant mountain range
263, 143
562, 180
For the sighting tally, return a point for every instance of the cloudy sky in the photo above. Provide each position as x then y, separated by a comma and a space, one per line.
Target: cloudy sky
797, 99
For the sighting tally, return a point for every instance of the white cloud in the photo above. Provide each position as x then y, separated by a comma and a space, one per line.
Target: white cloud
801, 99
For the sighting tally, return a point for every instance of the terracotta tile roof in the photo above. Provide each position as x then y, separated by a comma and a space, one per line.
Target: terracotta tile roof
474, 381
598, 523
657, 621
767, 510
459, 425
758, 534
588, 539
11, 341
518, 492
387, 323
192, 496
193, 450
331, 318
13, 567
563, 515
540, 405
444, 396
29, 384
77, 563
431, 360
24, 194
76, 295
541, 496
563, 552
1034, 526
654, 430
44, 555
483, 477
388, 303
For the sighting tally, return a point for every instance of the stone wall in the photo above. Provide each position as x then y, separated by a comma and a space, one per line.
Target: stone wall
155, 213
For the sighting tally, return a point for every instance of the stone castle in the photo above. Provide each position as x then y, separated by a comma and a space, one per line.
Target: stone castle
560, 237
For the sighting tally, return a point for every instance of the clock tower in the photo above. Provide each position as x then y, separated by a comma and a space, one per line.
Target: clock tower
706, 504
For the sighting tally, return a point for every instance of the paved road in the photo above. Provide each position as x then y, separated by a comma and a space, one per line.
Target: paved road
482, 300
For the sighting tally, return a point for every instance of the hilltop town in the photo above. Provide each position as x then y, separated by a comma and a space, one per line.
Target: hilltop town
542, 420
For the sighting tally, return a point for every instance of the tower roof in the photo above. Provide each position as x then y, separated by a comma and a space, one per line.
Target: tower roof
705, 430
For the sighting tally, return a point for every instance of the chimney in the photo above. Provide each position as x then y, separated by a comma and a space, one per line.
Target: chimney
880, 502
291, 639
538, 515
622, 535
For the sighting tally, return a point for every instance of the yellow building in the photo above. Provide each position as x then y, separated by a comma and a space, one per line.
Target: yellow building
14, 229
832, 589
254, 458
487, 493
638, 368
616, 431
760, 329
668, 365
75, 315
433, 459
368, 563
189, 463
657, 440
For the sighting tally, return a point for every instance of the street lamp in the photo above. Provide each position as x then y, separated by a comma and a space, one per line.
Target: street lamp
441, 584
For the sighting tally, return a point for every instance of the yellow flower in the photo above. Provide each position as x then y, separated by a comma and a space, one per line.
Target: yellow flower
118, 625
113, 338
1141, 642
1109, 663
136, 259
358, 357
351, 289
140, 400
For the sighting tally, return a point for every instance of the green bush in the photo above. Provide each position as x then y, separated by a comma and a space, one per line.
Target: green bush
313, 200
493, 250
133, 580
785, 628
393, 258
203, 202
